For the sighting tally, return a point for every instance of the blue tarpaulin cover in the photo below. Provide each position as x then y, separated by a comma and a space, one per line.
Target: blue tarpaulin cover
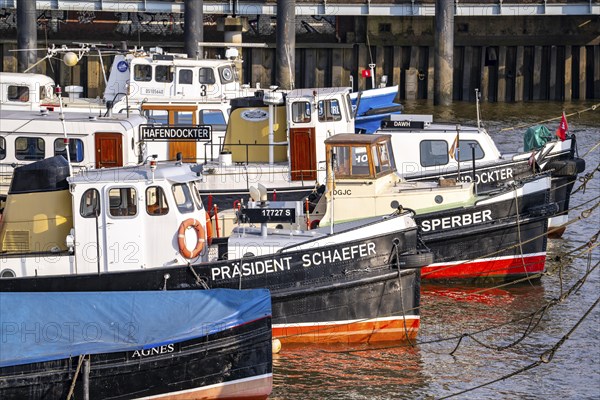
38, 327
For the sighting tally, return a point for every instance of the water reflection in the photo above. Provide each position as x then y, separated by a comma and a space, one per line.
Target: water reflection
338, 371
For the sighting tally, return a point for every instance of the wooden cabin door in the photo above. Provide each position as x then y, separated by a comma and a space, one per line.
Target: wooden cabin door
108, 149
183, 115
303, 154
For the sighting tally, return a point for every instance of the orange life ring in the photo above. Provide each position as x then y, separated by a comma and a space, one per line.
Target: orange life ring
208, 229
194, 223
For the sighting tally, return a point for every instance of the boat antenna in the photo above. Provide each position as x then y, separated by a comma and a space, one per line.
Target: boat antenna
61, 116
332, 191
458, 151
477, 95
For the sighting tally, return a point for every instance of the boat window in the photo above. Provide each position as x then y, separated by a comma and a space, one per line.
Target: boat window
156, 201
90, 204
434, 152
227, 74
18, 93
186, 76
376, 162
385, 160
301, 112
466, 153
183, 198
196, 190
212, 117
351, 161
163, 74
123, 202
206, 76
183, 118
2, 148
142, 73
329, 110
75, 149
157, 116
30, 148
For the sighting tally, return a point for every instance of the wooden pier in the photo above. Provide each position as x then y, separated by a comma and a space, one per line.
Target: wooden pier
508, 58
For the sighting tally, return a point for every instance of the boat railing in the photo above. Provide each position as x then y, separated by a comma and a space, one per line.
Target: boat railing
247, 146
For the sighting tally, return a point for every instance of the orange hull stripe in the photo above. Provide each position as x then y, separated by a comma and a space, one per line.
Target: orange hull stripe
352, 332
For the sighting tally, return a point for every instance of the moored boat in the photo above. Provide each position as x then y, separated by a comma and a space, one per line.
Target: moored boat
499, 235
371, 106
155, 344
145, 228
426, 150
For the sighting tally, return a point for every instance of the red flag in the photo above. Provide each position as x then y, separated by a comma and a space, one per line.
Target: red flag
563, 127
366, 73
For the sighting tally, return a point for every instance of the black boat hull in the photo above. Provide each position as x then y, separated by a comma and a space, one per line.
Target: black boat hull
234, 363
340, 290
509, 244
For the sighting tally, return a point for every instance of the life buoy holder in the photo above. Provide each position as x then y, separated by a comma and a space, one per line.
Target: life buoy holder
197, 226
208, 229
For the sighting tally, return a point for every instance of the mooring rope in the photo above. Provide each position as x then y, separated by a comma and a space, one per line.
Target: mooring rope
72, 388
592, 108
544, 358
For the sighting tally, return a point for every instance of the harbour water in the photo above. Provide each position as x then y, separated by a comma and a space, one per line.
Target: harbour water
513, 326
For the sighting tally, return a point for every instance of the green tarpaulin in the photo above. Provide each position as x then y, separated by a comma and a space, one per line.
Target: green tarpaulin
536, 137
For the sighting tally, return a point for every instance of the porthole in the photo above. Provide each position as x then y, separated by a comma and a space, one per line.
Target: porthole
227, 74
439, 199
7, 273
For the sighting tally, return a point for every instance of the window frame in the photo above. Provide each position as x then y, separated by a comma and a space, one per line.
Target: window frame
110, 208
98, 204
421, 152
23, 157
162, 210
71, 149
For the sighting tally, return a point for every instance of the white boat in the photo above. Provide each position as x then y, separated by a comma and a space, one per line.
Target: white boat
426, 150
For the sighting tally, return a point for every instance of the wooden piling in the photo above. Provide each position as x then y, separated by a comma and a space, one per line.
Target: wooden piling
9, 58
519, 73
259, 67
337, 70
552, 88
501, 96
537, 73
322, 69
596, 50
362, 64
94, 76
485, 76
466, 76
397, 66
380, 64
430, 73
582, 73
568, 84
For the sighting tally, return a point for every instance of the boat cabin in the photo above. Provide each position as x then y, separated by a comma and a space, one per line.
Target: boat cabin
103, 220
94, 142
423, 146
157, 75
286, 130
363, 182
21, 91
